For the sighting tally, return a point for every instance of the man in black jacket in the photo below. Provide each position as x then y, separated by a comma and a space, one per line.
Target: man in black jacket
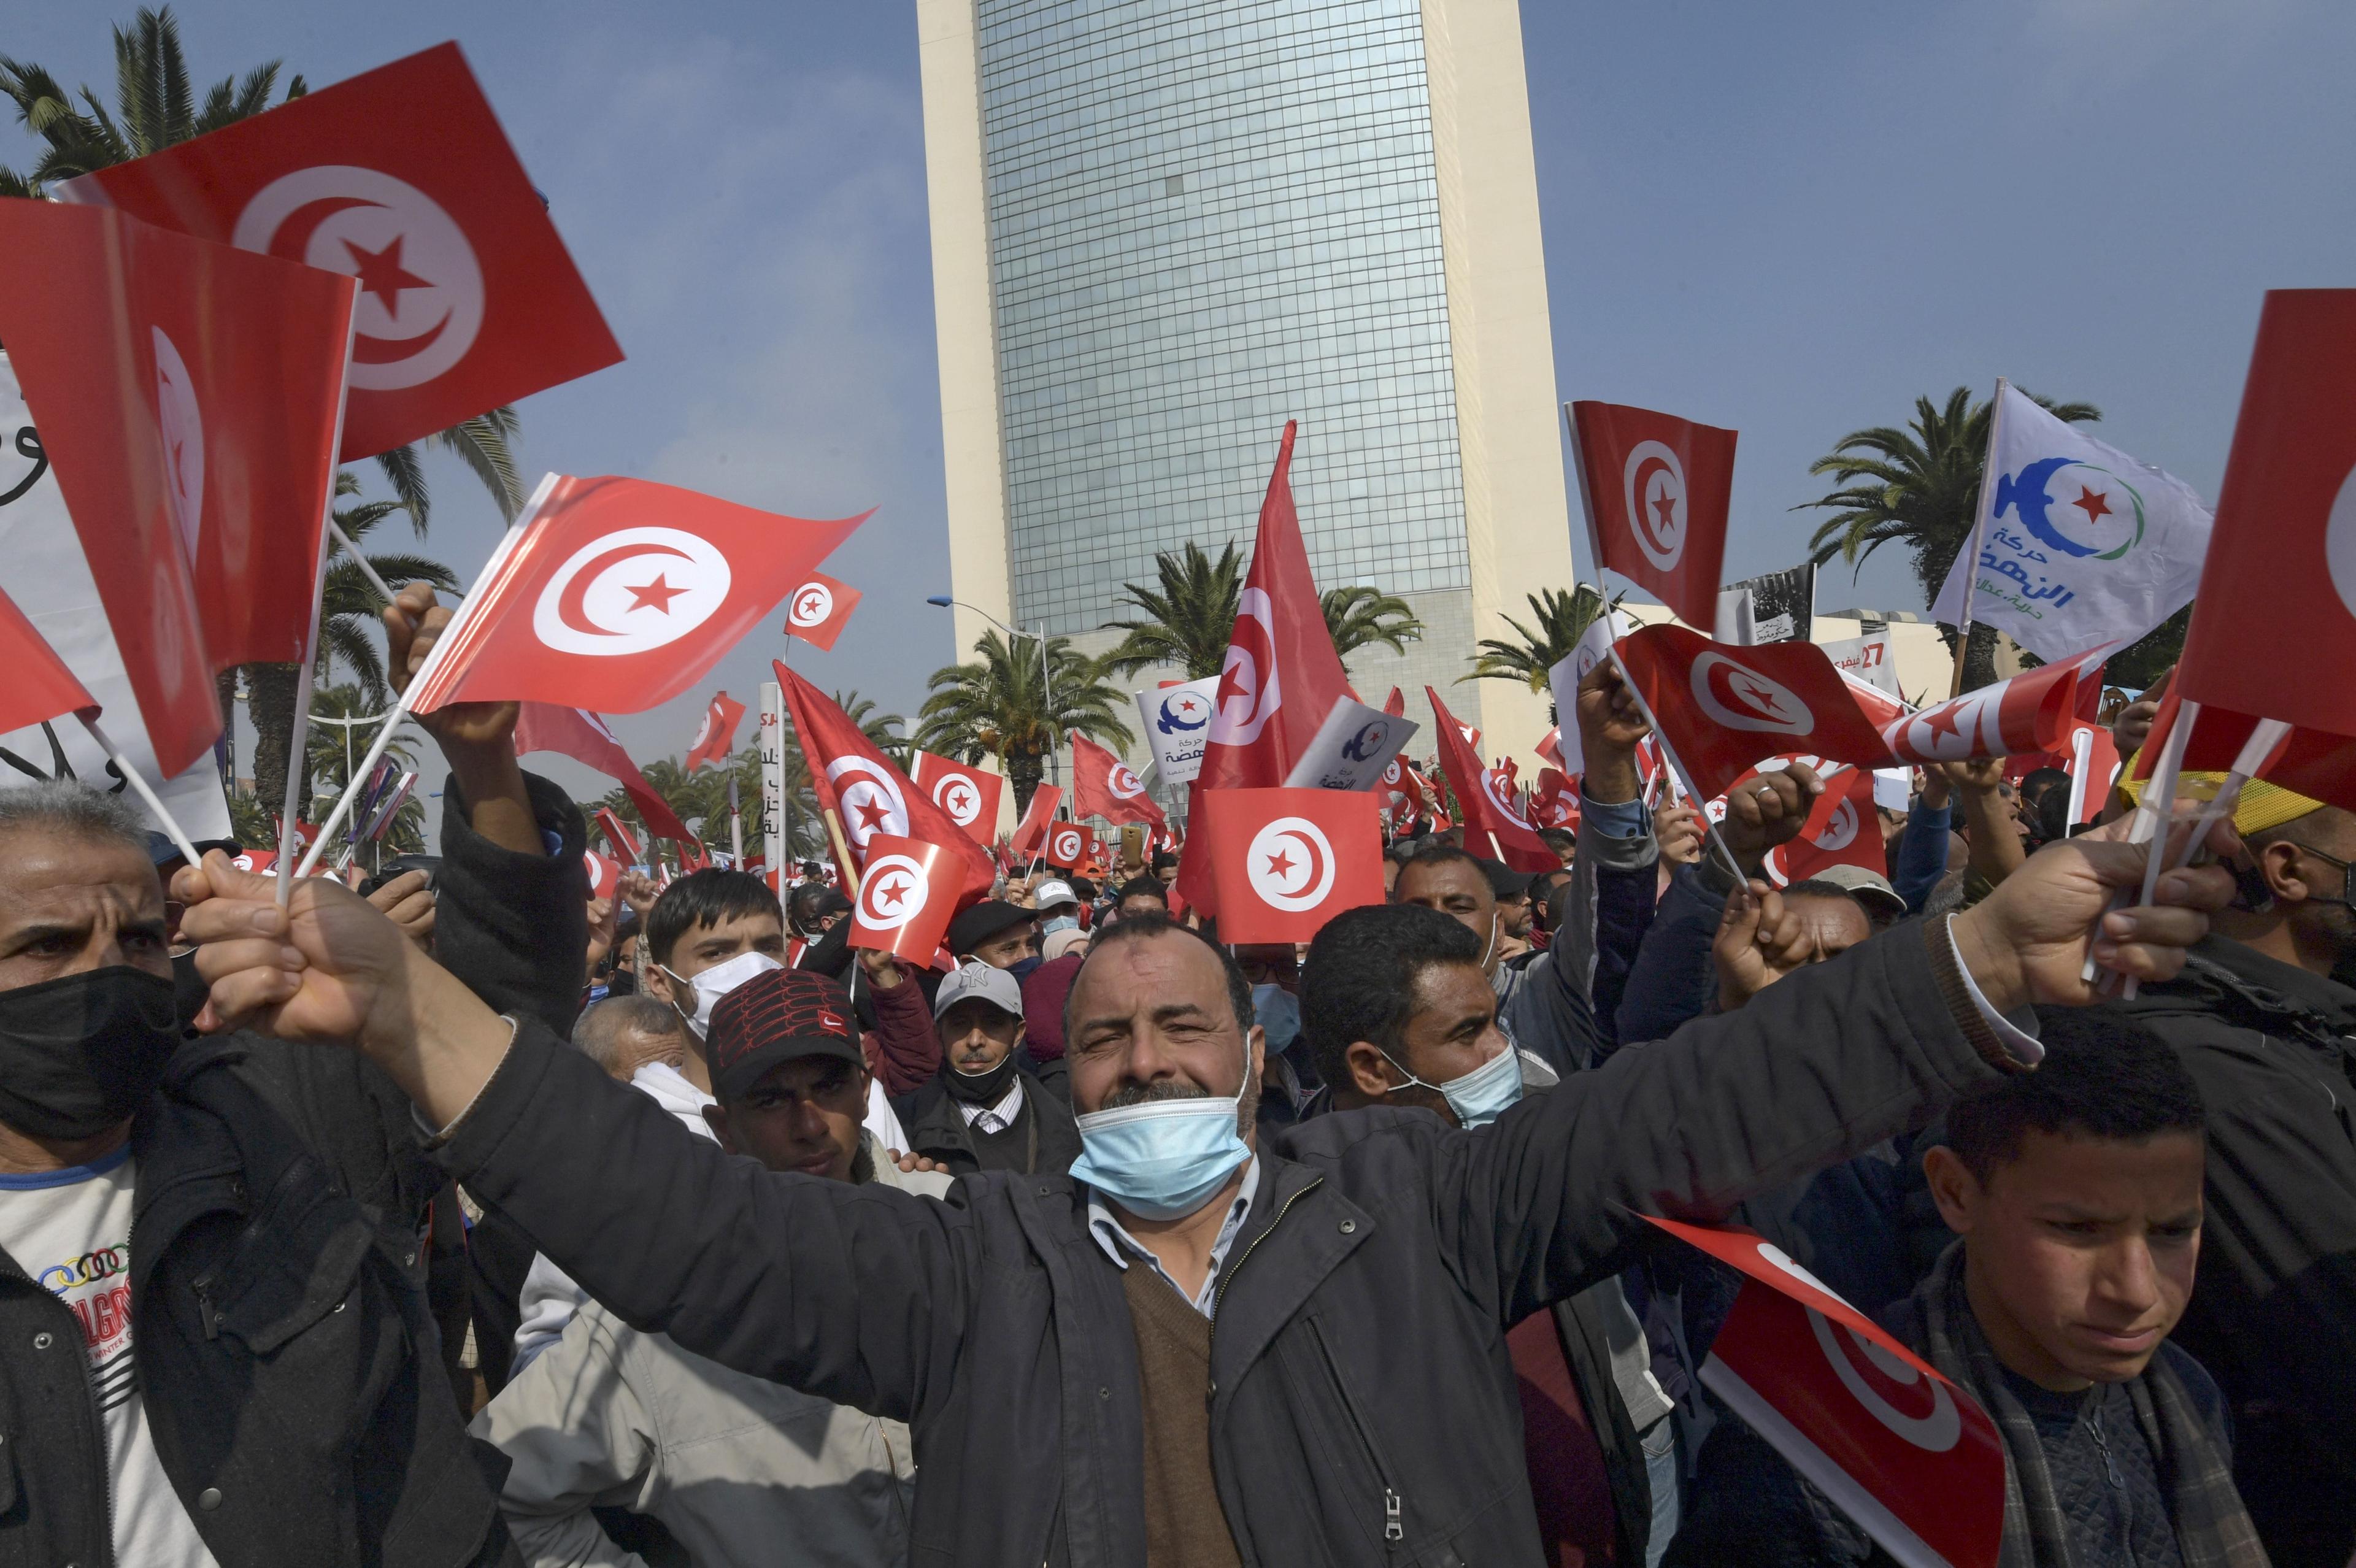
2270, 1036
984, 1109
244, 1374
1051, 1340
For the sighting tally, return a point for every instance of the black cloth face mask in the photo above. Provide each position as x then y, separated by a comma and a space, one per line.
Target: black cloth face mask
978, 1088
79, 1054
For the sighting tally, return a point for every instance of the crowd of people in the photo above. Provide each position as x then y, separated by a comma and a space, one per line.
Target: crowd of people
466, 1218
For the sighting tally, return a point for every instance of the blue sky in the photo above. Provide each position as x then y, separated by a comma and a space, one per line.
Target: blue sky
1791, 219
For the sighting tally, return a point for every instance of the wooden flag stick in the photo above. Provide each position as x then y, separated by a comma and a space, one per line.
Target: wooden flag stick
842, 851
140, 787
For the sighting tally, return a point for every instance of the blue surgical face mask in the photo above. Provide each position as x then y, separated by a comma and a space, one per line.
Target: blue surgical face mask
1278, 1012
1162, 1158
1055, 924
1482, 1096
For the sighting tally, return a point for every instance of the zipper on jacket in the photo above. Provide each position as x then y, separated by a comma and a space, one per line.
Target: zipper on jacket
1394, 1528
1219, 1296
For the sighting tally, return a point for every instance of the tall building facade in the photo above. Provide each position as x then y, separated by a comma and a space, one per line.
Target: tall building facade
1162, 228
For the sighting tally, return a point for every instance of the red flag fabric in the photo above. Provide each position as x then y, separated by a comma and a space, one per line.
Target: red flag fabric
402, 178
968, 795
1550, 746
818, 610
716, 736
617, 834
1842, 829
604, 874
1396, 703
1031, 833
866, 790
622, 593
1556, 804
1485, 796
2027, 712
1286, 860
39, 687
1282, 675
2313, 763
586, 738
1722, 708
1899, 1449
1067, 845
1103, 786
1656, 489
905, 897
2274, 625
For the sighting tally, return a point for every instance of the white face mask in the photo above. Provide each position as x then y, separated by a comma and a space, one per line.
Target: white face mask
716, 982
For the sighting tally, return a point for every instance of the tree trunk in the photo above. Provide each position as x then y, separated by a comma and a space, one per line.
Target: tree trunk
1025, 769
1979, 660
225, 692
273, 711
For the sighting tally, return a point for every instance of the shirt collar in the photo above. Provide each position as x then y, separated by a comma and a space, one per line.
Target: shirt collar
1121, 1246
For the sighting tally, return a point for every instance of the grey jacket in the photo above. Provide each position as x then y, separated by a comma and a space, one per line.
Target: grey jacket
740, 1470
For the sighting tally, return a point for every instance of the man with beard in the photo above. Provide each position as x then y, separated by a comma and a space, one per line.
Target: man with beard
246, 1376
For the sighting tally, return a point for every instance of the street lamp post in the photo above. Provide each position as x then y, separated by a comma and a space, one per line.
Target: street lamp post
1047, 678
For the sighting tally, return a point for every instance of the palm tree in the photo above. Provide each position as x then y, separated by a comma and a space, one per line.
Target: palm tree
1919, 486
157, 107
1188, 619
1360, 616
1562, 619
1000, 706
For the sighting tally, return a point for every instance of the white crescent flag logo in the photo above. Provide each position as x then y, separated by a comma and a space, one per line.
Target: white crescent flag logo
1493, 786
870, 800
812, 605
1066, 846
182, 425
630, 591
1742, 699
1248, 695
420, 293
702, 732
1290, 864
1934, 1431
956, 795
1124, 783
892, 893
1653, 485
599, 887
1841, 830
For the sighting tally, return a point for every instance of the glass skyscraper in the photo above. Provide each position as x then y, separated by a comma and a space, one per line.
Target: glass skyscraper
1162, 227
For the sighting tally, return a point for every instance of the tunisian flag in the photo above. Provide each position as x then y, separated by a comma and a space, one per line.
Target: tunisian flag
1655, 489
818, 610
1103, 786
906, 897
1486, 796
2031, 711
402, 178
2273, 624
865, 791
968, 795
716, 736
619, 592
617, 834
1287, 860
1032, 831
1722, 708
1842, 829
39, 687
1899, 1449
586, 738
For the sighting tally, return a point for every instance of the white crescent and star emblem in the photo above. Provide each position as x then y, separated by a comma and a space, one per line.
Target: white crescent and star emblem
633, 590
1124, 783
1493, 781
892, 892
421, 287
1653, 488
1248, 694
1841, 830
1066, 846
813, 605
870, 800
182, 423
1290, 864
2339, 542
1742, 699
956, 795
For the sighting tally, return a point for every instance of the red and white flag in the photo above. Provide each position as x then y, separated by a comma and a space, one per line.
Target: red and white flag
716, 736
617, 834
818, 610
1842, 829
1906, 1454
907, 896
2314, 763
2274, 623
401, 178
2031, 711
1656, 489
866, 790
604, 874
39, 687
1067, 846
970, 795
1103, 786
1286, 860
1557, 802
1030, 834
1493, 821
587, 739
1723, 709
619, 592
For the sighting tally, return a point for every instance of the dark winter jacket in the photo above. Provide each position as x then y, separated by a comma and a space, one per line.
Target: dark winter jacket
2273, 1313
1360, 1379
938, 1130
282, 1356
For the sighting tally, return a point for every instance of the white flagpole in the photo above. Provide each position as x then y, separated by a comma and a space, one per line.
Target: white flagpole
336, 532
1979, 524
140, 787
1669, 755
736, 824
452, 636
298, 739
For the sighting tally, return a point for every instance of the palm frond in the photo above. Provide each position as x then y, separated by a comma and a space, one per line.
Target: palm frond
485, 445
405, 471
